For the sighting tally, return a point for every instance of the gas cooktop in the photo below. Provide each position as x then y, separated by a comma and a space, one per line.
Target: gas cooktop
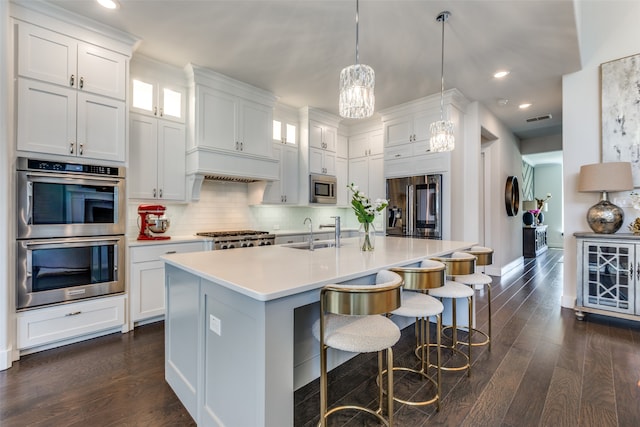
230, 239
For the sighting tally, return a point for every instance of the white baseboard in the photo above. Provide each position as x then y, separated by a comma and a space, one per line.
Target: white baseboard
568, 301
6, 359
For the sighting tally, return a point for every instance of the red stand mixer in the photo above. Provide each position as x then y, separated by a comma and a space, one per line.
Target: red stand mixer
152, 221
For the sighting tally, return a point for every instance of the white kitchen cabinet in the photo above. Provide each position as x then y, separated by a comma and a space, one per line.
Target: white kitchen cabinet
146, 278
157, 89
64, 61
318, 139
322, 136
322, 162
285, 189
411, 128
366, 144
232, 123
368, 174
59, 120
66, 322
157, 155
608, 275
343, 196
70, 96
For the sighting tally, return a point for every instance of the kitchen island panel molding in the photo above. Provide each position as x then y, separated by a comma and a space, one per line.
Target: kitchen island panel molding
231, 322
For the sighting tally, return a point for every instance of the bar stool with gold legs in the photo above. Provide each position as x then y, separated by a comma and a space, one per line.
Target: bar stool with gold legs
417, 304
351, 320
459, 263
478, 281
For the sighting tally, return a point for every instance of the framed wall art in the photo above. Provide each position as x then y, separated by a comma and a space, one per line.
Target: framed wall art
620, 97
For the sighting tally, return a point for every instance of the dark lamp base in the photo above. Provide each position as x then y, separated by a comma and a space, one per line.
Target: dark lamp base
605, 218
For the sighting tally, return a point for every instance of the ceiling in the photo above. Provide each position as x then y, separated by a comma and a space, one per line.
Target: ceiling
296, 48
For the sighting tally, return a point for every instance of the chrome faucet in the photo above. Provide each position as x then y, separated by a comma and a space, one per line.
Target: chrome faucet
310, 232
337, 230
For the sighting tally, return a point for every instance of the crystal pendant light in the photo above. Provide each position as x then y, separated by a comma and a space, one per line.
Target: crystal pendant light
442, 138
357, 82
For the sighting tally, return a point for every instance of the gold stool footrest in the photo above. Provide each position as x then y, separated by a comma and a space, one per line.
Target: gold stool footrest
434, 399
485, 341
356, 408
461, 367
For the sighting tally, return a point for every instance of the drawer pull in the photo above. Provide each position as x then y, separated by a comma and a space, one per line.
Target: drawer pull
170, 252
74, 313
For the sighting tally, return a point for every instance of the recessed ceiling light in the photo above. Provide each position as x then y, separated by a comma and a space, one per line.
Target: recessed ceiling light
501, 74
109, 4
503, 102
523, 106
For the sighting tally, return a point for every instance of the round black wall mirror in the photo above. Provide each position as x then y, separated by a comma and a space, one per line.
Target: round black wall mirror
512, 196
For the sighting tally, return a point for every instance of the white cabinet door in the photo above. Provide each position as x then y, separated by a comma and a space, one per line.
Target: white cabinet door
218, 119
147, 290
101, 71
322, 136
101, 128
273, 193
256, 122
157, 156
342, 180
316, 160
46, 55
376, 143
359, 145
342, 147
398, 131
377, 183
330, 135
143, 171
171, 161
315, 135
289, 174
359, 173
46, 118
329, 159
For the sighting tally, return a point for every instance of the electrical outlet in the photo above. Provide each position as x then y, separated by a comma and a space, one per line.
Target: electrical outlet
215, 325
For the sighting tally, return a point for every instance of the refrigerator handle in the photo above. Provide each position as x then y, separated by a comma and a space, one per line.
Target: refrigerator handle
410, 209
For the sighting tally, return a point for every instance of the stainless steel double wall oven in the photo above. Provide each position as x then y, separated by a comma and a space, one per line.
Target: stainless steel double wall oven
70, 231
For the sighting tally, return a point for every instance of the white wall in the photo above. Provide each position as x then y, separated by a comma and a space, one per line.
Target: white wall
6, 166
502, 159
608, 30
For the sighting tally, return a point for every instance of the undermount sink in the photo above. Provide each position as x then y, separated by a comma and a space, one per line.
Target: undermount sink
316, 245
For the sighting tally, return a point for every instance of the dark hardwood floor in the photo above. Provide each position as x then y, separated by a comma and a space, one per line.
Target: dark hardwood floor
545, 368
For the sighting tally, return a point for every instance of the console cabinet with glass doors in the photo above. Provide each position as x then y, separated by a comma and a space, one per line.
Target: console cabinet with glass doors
608, 275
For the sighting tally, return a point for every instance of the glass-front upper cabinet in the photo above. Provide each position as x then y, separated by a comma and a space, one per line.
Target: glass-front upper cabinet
285, 125
158, 90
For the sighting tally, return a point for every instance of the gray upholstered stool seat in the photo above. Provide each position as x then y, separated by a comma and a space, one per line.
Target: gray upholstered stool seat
351, 320
479, 281
457, 263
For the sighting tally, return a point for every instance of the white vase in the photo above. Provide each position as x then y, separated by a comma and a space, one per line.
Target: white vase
367, 237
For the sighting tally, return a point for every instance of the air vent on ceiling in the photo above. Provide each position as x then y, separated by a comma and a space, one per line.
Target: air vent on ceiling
539, 118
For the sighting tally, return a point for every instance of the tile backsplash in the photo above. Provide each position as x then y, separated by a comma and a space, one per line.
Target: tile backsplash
225, 206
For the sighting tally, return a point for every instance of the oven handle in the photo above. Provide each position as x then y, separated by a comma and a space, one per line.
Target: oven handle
29, 202
56, 177
90, 241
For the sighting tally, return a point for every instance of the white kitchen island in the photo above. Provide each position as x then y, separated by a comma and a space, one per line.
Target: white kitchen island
237, 329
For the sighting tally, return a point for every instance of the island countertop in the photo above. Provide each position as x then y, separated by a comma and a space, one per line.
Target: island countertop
268, 273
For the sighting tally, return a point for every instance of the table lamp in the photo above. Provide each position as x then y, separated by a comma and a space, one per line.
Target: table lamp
604, 217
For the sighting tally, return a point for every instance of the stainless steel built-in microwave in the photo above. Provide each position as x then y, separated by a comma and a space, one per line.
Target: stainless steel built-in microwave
322, 189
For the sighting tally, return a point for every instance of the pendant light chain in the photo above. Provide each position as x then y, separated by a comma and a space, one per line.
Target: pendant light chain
442, 135
357, 30
443, 17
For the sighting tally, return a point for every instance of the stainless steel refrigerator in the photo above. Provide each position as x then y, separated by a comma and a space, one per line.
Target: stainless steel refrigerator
415, 206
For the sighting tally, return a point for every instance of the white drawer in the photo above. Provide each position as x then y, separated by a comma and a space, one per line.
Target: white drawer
154, 252
51, 324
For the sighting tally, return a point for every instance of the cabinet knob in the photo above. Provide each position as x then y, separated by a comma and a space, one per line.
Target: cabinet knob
155, 111
160, 193
81, 151
154, 192
398, 155
71, 147
81, 82
72, 80
161, 112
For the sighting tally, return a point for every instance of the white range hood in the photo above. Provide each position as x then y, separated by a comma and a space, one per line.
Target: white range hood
230, 128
